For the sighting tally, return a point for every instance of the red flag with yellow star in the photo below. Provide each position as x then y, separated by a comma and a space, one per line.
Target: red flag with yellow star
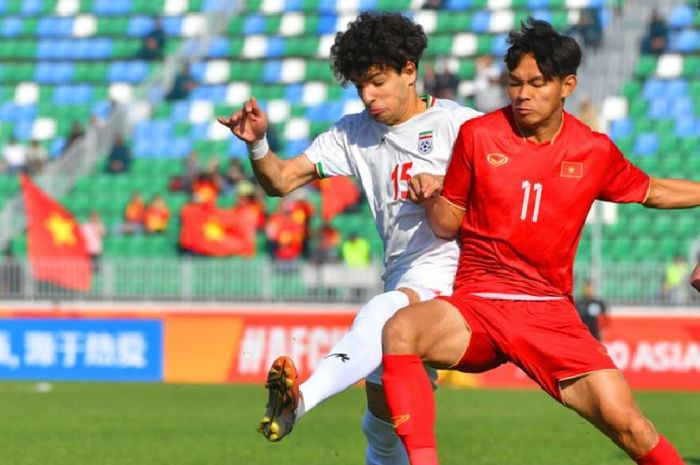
206, 230
337, 194
55, 245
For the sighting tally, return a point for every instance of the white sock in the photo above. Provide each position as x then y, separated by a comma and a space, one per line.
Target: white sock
355, 356
383, 445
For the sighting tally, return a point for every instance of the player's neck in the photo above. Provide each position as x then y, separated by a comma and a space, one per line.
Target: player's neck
546, 132
414, 106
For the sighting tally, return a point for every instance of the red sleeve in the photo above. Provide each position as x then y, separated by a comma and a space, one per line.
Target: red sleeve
624, 183
458, 179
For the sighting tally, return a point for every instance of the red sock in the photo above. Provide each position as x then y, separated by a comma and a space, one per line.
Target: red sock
663, 453
409, 396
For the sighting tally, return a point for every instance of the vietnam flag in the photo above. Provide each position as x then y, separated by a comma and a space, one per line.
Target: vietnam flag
213, 231
55, 243
337, 194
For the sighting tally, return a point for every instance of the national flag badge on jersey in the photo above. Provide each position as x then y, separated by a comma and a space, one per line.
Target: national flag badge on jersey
425, 142
571, 169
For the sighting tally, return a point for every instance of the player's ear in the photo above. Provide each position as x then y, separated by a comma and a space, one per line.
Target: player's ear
410, 70
568, 84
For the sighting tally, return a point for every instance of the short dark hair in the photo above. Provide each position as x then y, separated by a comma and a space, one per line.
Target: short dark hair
386, 40
556, 55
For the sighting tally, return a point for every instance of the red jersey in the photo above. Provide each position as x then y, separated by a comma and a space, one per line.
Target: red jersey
526, 203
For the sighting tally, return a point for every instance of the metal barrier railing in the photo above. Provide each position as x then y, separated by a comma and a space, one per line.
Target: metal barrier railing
268, 281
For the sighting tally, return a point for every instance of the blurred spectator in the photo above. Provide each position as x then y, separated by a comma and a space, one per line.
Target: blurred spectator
182, 85
213, 169
301, 211
656, 39
675, 289
446, 82
588, 114
592, 310
432, 5
250, 204
233, 175
11, 277
157, 34
150, 50
429, 79
326, 244
93, 231
119, 159
134, 214
284, 236
489, 92
192, 169
14, 155
76, 132
156, 216
184, 181
439, 82
96, 121
355, 251
37, 156
205, 190
589, 28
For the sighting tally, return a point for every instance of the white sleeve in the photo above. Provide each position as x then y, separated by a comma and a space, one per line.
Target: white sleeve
329, 152
464, 114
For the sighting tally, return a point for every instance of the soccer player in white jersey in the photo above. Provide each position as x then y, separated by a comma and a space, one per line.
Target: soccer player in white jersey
398, 134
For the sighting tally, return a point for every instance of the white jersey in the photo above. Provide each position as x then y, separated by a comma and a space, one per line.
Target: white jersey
384, 158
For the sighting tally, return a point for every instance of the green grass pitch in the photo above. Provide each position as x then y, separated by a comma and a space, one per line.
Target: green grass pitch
144, 424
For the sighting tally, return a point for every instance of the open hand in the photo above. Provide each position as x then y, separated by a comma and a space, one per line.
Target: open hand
248, 124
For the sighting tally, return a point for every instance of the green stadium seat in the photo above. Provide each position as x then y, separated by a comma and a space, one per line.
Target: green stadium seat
663, 225
439, 46
639, 226
646, 66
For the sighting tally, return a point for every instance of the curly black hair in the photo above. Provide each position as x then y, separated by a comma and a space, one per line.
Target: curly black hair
386, 40
556, 55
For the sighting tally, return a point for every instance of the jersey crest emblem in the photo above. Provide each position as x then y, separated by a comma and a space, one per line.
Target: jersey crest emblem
425, 142
496, 159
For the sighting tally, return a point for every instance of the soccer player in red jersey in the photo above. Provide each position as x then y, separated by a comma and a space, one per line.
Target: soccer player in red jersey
518, 188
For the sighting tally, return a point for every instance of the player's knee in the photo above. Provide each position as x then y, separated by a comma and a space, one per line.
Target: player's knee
398, 335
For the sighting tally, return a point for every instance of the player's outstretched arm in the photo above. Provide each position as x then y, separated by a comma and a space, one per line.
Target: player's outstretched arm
445, 218
278, 177
673, 193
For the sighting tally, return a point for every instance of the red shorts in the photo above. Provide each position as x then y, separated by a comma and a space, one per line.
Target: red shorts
546, 339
